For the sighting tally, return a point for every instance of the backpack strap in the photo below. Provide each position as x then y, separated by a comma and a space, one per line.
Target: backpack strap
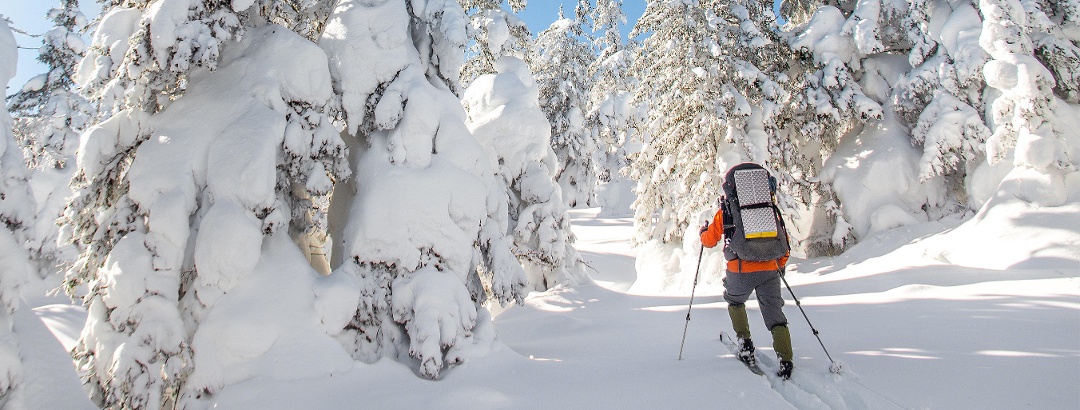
728, 219
728, 222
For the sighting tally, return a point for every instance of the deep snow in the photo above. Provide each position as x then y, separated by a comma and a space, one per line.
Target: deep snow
916, 317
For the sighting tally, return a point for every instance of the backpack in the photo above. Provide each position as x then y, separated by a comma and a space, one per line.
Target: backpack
753, 227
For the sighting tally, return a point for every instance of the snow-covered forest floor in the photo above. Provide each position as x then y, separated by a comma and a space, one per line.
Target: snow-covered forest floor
916, 316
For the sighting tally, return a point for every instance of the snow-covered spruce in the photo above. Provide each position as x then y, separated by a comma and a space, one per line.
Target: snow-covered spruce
506, 118
141, 53
830, 103
16, 212
494, 32
178, 206
613, 118
423, 225
561, 57
678, 82
941, 100
49, 115
712, 78
1029, 133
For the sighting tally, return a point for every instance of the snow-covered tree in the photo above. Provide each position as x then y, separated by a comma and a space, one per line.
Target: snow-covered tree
200, 163
685, 121
1055, 30
1026, 130
16, 207
709, 73
424, 223
49, 115
14, 261
494, 32
941, 99
612, 116
798, 12
834, 47
145, 63
506, 117
828, 101
219, 167
561, 57
874, 26
307, 18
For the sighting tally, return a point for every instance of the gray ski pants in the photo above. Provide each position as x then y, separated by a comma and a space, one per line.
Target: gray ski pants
737, 288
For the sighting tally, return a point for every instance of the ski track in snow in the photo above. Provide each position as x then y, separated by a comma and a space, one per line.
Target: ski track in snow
811, 389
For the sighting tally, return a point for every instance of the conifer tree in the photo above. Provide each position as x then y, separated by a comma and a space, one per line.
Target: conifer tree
709, 73
1054, 26
683, 105
16, 208
828, 102
1026, 130
612, 117
424, 224
560, 60
495, 32
49, 115
505, 115
193, 164
941, 99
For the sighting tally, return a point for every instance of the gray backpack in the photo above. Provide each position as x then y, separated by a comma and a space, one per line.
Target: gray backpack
753, 227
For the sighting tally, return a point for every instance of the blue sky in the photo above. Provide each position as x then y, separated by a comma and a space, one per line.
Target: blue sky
29, 15
541, 13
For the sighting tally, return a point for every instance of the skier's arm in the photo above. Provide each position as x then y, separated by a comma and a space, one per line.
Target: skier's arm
715, 232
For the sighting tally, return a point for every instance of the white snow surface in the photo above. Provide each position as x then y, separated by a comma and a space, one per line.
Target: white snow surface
954, 314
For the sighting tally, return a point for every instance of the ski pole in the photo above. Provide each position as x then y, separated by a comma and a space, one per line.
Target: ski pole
688, 308
835, 368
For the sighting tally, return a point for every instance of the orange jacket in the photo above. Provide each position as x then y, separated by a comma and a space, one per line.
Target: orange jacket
715, 235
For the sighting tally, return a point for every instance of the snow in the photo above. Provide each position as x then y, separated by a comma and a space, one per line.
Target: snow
8, 52
875, 176
237, 341
427, 224
505, 106
397, 234
962, 29
824, 37
241, 5
987, 302
35, 83
979, 314
360, 30
111, 38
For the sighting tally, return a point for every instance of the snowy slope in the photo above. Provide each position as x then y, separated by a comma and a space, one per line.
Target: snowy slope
917, 320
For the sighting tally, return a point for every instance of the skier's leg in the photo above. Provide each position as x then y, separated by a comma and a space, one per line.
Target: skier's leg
770, 299
736, 292
739, 320
782, 344
781, 339
772, 311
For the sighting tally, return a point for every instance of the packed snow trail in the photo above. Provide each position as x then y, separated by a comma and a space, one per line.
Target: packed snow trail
733, 347
810, 390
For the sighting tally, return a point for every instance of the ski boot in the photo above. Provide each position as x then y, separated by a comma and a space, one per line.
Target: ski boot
746, 351
784, 371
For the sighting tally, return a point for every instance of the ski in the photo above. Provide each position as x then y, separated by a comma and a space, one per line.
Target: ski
733, 346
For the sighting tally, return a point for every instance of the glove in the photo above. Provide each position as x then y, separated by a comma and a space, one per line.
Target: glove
782, 270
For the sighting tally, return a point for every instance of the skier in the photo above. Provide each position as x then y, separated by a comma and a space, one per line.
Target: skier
744, 277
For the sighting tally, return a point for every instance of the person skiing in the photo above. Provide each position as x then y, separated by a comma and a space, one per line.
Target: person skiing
747, 276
